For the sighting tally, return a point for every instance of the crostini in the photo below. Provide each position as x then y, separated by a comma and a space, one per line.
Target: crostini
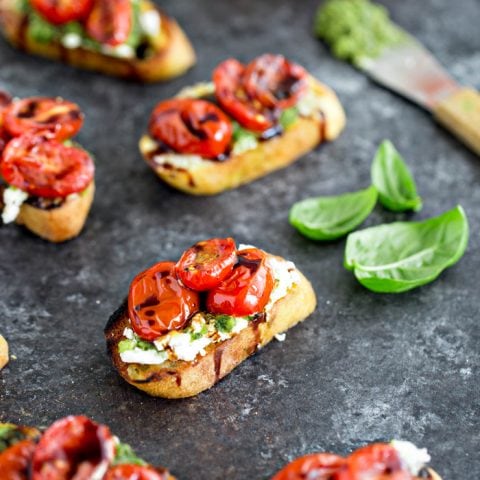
187, 325
46, 181
249, 121
3, 352
126, 38
398, 460
74, 447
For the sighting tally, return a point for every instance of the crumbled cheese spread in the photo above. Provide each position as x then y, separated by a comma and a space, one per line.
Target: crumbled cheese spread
13, 198
203, 329
412, 457
150, 23
120, 51
310, 104
71, 40
178, 161
198, 90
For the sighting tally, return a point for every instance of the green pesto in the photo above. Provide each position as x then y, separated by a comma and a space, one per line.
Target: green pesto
40, 30
126, 455
9, 435
288, 117
356, 30
224, 323
197, 335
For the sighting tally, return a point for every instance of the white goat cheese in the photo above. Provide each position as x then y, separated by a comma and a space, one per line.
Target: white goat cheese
150, 23
184, 347
71, 40
144, 357
13, 199
413, 458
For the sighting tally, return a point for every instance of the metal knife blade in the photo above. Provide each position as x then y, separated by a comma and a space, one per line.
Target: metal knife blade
412, 71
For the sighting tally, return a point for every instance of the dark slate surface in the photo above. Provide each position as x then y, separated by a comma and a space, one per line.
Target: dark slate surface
364, 367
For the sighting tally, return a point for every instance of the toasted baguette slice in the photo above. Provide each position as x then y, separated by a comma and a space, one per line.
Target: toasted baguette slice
3, 352
180, 379
209, 177
173, 58
61, 223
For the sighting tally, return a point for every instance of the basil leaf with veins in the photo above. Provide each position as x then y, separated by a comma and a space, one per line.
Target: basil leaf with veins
399, 256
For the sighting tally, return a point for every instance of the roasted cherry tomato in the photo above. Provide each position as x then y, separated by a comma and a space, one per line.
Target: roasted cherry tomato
46, 168
378, 461
207, 264
73, 447
59, 12
228, 79
317, 466
247, 289
134, 472
191, 126
55, 117
274, 81
15, 461
158, 302
4, 139
255, 95
110, 21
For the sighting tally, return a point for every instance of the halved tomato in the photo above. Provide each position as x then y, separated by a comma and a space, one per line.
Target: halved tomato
134, 472
379, 461
190, 126
110, 21
255, 95
158, 302
247, 289
59, 12
73, 447
54, 117
274, 81
207, 263
45, 168
15, 461
316, 466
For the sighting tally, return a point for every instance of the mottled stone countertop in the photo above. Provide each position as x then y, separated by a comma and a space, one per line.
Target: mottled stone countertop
364, 367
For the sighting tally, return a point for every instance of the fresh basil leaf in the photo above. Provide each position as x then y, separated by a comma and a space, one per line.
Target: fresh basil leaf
399, 256
288, 117
243, 140
328, 218
40, 30
126, 455
392, 178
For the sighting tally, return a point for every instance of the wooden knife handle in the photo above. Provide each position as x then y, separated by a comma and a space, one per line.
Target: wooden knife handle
460, 113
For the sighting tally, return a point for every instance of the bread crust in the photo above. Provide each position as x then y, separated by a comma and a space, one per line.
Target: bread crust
212, 177
173, 59
182, 379
3, 352
61, 223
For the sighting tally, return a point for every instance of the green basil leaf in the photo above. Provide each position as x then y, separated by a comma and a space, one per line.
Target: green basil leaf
243, 139
392, 178
400, 256
224, 323
125, 455
328, 218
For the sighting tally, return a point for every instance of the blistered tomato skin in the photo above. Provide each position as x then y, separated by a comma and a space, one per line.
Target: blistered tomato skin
59, 12
247, 289
46, 168
15, 461
205, 265
256, 94
379, 461
134, 472
190, 126
159, 303
53, 117
110, 21
73, 447
317, 466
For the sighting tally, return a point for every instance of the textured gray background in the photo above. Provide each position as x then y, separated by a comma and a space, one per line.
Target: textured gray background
364, 367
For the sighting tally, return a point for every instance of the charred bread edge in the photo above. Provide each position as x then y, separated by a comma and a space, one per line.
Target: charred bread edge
182, 379
172, 60
61, 223
212, 177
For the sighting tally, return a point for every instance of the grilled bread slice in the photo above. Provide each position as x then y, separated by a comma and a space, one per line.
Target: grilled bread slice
209, 177
173, 55
3, 352
60, 223
179, 379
